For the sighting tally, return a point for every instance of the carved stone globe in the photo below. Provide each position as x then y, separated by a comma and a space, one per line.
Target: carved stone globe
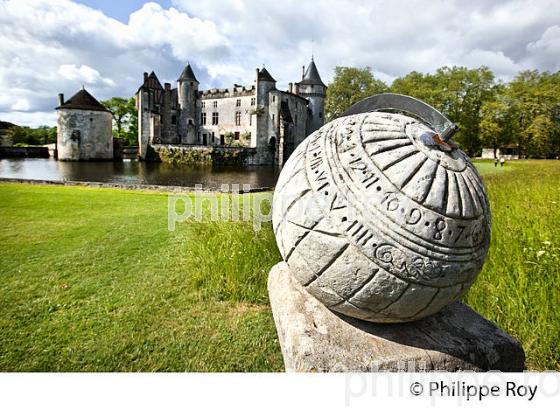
378, 224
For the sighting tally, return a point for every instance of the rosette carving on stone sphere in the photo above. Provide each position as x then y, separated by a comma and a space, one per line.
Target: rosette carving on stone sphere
377, 224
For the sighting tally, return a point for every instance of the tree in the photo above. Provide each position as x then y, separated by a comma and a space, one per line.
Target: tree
418, 85
534, 113
349, 86
32, 136
125, 118
493, 124
458, 92
541, 135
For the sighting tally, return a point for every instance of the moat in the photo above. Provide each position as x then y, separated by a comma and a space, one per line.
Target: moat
136, 172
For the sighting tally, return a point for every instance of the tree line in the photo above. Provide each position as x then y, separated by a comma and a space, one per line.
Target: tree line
490, 113
22, 136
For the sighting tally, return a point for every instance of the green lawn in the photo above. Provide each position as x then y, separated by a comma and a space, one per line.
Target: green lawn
92, 280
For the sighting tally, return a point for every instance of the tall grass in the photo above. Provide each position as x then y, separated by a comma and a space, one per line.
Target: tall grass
519, 286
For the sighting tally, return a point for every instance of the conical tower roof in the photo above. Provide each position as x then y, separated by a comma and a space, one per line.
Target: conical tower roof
83, 100
187, 74
311, 75
264, 75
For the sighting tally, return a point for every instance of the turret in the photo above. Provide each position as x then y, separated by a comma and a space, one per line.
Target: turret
312, 87
266, 140
187, 93
265, 83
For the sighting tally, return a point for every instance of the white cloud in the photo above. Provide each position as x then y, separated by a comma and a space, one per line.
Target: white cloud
546, 50
31, 119
393, 37
52, 46
21, 104
83, 73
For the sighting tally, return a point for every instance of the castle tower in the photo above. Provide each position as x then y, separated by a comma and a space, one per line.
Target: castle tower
187, 90
84, 128
312, 87
149, 100
266, 142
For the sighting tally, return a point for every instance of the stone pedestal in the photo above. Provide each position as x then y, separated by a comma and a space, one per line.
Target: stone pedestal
315, 339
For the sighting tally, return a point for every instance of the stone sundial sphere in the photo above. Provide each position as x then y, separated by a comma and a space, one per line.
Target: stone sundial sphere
379, 217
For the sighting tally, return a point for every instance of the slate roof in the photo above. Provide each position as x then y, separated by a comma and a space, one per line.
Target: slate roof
264, 75
83, 100
4, 125
187, 74
311, 75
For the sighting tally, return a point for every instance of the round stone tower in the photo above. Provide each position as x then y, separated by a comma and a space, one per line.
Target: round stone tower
312, 87
267, 140
84, 128
187, 93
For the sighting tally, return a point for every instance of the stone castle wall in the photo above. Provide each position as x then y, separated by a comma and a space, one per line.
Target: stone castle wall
84, 135
227, 108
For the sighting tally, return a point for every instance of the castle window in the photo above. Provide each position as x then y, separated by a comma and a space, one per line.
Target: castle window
295, 119
213, 138
320, 115
173, 119
203, 118
272, 117
215, 104
203, 104
273, 98
236, 135
238, 118
238, 102
192, 83
190, 122
214, 118
253, 101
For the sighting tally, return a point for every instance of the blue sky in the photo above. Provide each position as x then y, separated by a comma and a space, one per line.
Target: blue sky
52, 46
119, 9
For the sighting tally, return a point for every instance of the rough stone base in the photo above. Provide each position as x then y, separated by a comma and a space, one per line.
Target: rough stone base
315, 339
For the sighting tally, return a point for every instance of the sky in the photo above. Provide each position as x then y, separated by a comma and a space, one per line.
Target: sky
56, 46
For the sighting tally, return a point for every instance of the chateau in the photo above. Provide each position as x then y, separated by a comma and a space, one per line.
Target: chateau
260, 119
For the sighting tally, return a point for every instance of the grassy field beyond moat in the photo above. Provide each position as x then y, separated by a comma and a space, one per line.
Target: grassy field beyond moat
92, 280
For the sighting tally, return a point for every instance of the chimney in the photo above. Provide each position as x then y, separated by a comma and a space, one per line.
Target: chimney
60, 99
290, 88
167, 86
302, 72
145, 76
257, 73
